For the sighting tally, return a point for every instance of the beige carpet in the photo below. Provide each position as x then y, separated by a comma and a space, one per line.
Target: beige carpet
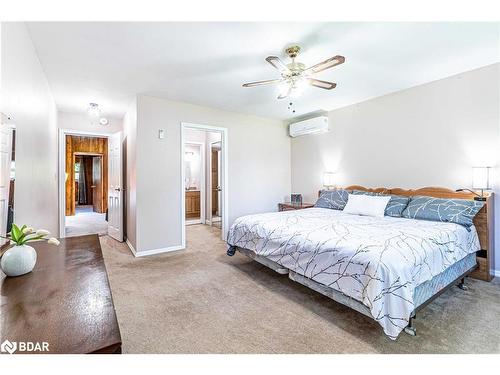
86, 221
201, 301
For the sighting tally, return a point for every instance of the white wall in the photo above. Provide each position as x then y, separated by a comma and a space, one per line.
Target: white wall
80, 122
193, 135
27, 98
259, 166
430, 135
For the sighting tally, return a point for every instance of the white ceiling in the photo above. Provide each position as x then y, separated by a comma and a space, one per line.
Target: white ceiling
206, 63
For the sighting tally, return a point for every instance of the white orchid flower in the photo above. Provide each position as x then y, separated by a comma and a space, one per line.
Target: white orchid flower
42, 232
53, 241
28, 230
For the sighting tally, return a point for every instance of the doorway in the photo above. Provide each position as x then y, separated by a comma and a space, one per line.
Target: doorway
195, 185
90, 184
86, 185
204, 177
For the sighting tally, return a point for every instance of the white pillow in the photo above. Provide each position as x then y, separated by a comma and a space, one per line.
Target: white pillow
367, 205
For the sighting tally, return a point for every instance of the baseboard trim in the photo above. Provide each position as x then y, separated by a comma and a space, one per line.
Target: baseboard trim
131, 248
145, 253
159, 251
496, 273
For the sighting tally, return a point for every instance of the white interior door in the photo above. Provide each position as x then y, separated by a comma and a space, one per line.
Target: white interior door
5, 158
115, 187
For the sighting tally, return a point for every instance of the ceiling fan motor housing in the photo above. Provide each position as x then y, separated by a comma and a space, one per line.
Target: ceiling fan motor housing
292, 51
296, 68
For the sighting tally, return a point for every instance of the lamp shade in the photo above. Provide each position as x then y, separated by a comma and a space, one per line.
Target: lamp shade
329, 179
481, 178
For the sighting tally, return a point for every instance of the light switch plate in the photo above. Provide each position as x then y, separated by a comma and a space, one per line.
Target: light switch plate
161, 133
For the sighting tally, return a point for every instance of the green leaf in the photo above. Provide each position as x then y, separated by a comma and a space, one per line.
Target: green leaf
16, 233
29, 239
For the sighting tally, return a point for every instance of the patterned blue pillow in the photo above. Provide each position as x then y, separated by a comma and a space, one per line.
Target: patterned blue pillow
459, 211
334, 199
396, 205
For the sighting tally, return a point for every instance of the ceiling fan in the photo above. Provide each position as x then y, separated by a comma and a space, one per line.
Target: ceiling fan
295, 76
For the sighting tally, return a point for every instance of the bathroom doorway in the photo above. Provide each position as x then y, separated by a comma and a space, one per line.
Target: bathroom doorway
204, 176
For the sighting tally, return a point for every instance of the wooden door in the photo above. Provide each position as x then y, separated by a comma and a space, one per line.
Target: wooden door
5, 158
88, 166
97, 185
215, 181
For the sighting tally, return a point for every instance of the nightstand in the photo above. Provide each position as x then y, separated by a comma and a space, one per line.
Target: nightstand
290, 206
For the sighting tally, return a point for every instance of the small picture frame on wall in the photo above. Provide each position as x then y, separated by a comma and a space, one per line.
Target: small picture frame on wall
296, 199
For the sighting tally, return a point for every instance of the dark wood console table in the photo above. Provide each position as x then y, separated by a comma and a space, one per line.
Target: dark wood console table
66, 301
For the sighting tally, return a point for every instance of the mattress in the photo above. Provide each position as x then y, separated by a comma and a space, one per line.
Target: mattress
377, 261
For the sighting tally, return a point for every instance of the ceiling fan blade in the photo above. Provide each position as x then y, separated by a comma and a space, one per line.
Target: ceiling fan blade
322, 84
327, 64
278, 64
261, 83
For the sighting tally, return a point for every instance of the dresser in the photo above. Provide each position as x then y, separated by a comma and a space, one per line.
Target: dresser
65, 301
290, 206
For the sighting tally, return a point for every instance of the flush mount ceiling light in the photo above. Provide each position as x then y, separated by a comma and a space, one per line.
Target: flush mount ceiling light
295, 77
103, 121
93, 111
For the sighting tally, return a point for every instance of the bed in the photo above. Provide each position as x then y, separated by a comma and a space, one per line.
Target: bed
384, 267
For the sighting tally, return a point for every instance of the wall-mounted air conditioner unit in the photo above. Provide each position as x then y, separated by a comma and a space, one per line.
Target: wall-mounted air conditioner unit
311, 126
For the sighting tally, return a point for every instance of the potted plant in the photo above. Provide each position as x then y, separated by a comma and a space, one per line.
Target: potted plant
21, 258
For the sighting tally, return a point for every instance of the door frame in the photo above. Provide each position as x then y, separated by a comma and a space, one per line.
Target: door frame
96, 155
62, 170
9, 127
224, 180
202, 218
209, 206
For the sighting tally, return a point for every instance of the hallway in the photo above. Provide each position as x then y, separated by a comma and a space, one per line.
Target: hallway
85, 221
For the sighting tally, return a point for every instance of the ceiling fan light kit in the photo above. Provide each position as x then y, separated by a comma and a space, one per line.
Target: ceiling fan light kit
295, 77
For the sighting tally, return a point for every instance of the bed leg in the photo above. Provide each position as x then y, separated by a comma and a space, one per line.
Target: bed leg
462, 285
231, 250
409, 329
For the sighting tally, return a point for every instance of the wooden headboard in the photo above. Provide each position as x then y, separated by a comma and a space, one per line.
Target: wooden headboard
484, 220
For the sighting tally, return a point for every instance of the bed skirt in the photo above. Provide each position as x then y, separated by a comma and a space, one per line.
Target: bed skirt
423, 293
428, 289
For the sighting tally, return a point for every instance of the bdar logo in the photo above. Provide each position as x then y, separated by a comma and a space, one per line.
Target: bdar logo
9, 347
